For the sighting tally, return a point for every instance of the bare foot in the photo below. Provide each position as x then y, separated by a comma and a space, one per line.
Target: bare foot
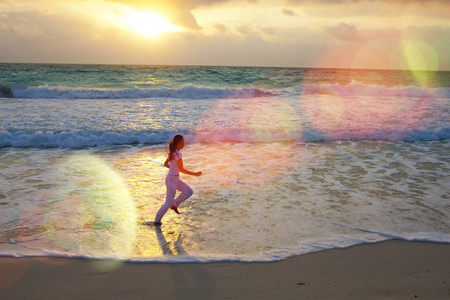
175, 209
151, 223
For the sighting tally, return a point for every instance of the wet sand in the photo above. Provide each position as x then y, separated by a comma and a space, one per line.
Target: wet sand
386, 270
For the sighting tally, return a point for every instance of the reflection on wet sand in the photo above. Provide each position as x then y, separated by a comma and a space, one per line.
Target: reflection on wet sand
194, 281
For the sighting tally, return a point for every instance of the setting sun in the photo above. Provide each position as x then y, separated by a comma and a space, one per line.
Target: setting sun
148, 24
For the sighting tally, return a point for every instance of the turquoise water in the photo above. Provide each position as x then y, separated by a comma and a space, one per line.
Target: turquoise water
146, 77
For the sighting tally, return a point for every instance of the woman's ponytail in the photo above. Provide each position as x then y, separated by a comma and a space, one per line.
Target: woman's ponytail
173, 145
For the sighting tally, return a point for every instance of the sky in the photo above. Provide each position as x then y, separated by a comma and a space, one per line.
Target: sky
363, 34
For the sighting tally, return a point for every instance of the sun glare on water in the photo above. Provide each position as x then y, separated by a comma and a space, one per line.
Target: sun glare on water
148, 24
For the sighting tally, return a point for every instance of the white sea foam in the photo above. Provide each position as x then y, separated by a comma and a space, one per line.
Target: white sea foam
172, 256
249, 205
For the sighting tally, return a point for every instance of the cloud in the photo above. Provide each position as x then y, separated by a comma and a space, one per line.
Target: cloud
344, 32
376, 8
402, 2
288, 12
350, 33
46, 27
220, 27
33, 36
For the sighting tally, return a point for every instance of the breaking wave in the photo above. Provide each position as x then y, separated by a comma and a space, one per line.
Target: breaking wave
193, 92
356, 88
84, 139
185, 92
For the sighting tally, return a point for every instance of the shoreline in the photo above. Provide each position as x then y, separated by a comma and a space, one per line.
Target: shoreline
393, 269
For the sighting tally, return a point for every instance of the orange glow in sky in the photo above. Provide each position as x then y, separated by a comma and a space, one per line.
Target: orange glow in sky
364, 34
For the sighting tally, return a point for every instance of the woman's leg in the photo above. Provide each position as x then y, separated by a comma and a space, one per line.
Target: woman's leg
171, 185
186, 192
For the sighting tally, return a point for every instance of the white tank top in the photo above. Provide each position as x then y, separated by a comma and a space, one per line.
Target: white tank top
173, 164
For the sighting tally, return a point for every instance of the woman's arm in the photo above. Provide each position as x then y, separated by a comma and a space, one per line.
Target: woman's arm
166, 163
183, 170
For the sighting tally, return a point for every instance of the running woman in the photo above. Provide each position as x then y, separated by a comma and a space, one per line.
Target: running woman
173, 182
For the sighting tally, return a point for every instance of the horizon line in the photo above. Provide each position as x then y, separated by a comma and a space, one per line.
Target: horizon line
215, 66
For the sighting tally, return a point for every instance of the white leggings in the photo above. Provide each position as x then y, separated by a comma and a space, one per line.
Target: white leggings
173, 183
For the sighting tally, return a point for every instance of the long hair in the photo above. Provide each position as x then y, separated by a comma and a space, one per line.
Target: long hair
173, 145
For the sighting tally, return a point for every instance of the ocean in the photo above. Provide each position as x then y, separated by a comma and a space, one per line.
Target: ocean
294, 160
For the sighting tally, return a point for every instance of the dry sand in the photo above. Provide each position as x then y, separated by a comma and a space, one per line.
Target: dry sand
387, 270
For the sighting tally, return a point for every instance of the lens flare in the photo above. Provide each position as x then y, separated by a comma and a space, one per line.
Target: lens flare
353, 116
421, 59
12, 271
91, 215
248, 120
258, 148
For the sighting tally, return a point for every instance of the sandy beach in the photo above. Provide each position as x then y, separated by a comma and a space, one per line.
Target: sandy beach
386, 270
